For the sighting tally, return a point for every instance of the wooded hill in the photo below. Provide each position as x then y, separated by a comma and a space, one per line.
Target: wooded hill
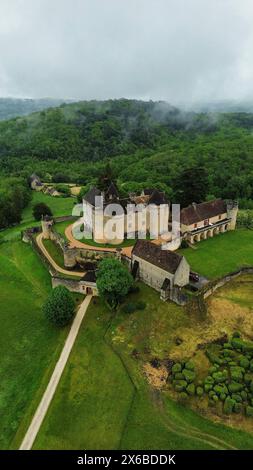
147, 143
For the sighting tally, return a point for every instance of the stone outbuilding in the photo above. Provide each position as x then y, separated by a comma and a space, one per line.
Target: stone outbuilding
164, 270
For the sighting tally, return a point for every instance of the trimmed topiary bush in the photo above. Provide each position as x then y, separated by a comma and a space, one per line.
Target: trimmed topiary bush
189, 375
180, 385
244, 362
190, 389
189, 365
237, 373
179, 376
219, 377
59, 308
228, 405
249, 411
176, 368
238, 408
235, 387
200, 391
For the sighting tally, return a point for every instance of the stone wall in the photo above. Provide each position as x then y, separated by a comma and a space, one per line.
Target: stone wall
212, 286
73, 285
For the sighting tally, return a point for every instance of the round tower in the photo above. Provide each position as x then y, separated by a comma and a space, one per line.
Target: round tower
47, 223
232, 211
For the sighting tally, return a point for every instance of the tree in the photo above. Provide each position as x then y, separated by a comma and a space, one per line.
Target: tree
59, 308
113, 281
41, 209
191, 185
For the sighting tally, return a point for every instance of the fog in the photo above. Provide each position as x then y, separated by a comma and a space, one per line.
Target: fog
181, 51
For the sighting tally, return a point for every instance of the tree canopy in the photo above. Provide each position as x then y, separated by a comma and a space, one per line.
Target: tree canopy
59, 308
113, 281
41, 210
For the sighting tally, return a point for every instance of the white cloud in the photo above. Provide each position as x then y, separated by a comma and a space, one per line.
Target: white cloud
178, 50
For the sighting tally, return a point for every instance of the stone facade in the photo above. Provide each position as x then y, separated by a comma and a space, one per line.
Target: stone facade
218, 217
166, 280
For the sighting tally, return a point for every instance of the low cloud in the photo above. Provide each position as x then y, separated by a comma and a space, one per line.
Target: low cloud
182, 51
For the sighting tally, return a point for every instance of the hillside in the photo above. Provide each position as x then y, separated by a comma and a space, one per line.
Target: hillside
13, 107
148, 143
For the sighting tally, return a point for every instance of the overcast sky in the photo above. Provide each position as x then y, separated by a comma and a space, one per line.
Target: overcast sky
175, 50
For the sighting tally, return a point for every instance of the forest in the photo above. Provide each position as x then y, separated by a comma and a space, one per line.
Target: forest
147, 144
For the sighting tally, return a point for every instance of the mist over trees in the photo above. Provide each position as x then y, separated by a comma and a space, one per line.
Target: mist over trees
148, 144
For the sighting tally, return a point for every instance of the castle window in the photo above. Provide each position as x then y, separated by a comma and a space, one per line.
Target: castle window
206, 222
219, 217
195, 225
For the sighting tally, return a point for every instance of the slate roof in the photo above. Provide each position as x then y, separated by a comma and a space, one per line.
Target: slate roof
158, 197
91, 194
112, 191
205, 210
164, 259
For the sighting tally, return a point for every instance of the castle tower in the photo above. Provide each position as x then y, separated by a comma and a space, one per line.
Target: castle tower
232, 211
47, 223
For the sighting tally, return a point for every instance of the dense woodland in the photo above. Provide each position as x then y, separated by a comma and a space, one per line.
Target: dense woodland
147, 144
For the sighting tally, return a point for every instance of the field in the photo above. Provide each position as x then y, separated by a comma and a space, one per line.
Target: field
29, 346
104, 399
59, 205
221, 254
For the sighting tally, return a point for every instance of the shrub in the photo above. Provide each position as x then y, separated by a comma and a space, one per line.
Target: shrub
237, 397
190, 365
189, 375
176, 368
237, 343
247, 378
190, 389
215, 398
228, 405
208, 387
227, 345
140, 305
251, 386
249, 411
235, 387
59, 308
179, 376
251, 366
41, 210
219, 377
244, 395
237, 373
219, 389
200, 391
236, 334
244, 362
129, 308
180, 385
209, 380
213, 357
238, 408
182, 397
223, 396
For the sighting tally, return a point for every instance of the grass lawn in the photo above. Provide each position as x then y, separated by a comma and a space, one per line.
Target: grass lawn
104, 401
221, 254
55, 252
29, 345
60, 227
59, 205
